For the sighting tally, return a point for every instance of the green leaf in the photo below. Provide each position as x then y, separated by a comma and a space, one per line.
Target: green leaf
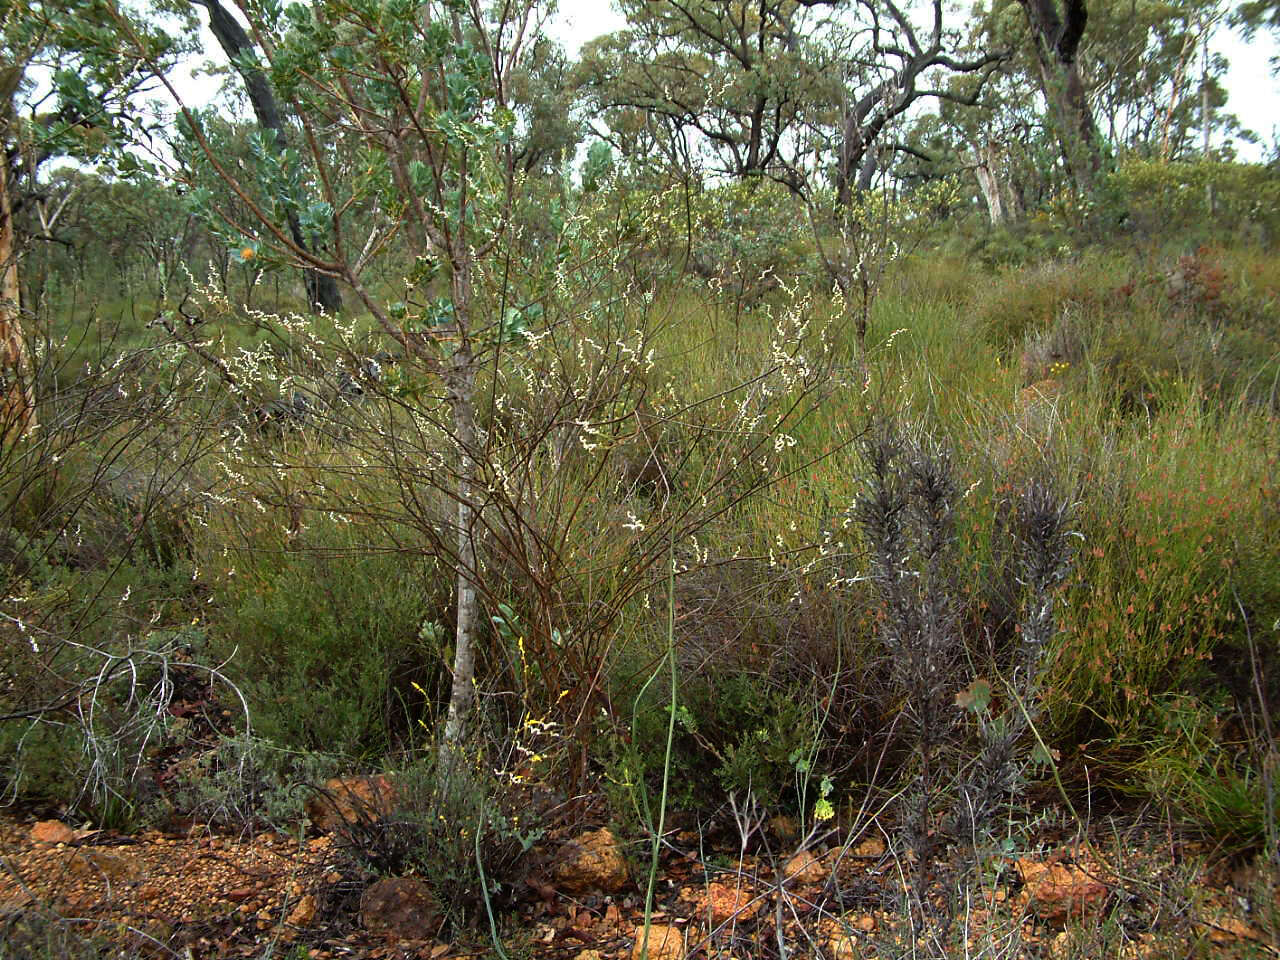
976, 698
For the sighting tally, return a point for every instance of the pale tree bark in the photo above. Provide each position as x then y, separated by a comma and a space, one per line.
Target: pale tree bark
908, 58
17, 393
1004, 201
460, 379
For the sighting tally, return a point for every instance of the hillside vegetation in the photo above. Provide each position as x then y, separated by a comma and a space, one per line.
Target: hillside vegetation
802, 479
1017, 552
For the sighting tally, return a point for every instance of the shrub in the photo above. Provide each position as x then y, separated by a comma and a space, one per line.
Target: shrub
244, 782
778, 685
1202, 775
1149, 605
328, 634
745, 239
1169, 199
470, 833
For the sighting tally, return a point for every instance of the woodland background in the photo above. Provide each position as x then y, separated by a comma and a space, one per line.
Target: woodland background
844, 412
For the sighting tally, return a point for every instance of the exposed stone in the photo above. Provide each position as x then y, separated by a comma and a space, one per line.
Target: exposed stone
114, 865
784, 828
347, 800
14, 902
593, 861
1057, 891
666, 942
842, 946
844, 937
871, 848
302, 914
1233, 929
804, 867
721, 902
1038, 404
52, 831
400, 907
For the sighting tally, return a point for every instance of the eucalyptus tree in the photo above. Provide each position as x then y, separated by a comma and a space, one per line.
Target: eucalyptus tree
728, 80
1140, 73
65, 89
1144, 67
545, 100
322, 290
1056, 35
419, 92
894, 58
781, 89
515, 355
1255, 15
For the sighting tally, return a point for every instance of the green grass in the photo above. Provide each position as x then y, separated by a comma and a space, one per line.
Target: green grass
1160, 426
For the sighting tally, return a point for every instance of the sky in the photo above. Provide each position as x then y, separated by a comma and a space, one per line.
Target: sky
1254, 93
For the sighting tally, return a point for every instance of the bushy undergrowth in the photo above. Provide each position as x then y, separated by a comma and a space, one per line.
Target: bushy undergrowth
333, 638
1140, 387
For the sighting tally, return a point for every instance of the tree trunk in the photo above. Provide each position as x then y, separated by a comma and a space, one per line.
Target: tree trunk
322, 290
1073, 122
1057, 41
852, 150
17, 392
460, 380
1004, 203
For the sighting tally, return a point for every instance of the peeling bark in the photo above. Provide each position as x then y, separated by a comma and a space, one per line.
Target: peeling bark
17, 391
1003, 198
460, 378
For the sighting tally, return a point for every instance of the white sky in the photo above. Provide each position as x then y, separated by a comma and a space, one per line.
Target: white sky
1254, 93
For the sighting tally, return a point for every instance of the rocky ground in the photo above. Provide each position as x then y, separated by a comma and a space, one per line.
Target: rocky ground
199, 895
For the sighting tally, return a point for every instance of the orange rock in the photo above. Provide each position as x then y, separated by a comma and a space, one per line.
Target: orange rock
347, 800
400, 907
303, 913
593, 861
52, 831
114, 865
871, 848
1038, 404
844, 936
1232, 929
784, 828
842, 946
666, 942
721, 902
14, 901
1057, 891
804, 867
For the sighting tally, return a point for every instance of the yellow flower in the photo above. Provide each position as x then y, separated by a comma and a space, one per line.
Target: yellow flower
247, 253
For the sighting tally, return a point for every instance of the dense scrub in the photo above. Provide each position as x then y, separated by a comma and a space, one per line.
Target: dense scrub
1018, 545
